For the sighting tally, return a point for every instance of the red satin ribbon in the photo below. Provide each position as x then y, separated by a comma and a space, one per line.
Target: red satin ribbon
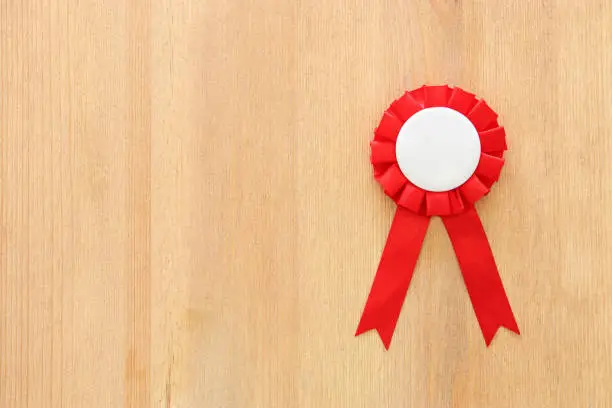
399, 258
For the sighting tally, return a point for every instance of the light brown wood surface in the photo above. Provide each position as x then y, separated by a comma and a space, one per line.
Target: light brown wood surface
188, 215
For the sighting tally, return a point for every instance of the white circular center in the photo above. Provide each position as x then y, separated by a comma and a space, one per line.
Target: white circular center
438, 149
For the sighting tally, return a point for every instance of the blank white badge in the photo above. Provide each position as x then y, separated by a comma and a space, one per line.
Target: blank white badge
438, 149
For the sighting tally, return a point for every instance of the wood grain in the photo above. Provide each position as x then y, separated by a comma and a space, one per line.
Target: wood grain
188, 217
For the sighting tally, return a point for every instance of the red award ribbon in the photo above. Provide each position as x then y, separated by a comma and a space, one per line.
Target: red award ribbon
416, 204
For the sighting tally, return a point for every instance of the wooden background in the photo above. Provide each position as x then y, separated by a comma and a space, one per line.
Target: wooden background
188, 216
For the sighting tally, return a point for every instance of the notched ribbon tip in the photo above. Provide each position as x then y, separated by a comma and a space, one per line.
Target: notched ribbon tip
488, 337
384, 337
386, 340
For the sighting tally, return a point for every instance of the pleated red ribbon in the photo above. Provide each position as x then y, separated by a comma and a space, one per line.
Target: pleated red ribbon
455, 207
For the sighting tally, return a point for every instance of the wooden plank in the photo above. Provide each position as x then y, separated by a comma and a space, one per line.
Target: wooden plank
188, 215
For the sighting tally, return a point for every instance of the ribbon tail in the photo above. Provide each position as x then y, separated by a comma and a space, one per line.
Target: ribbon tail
394, 273
480, 274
